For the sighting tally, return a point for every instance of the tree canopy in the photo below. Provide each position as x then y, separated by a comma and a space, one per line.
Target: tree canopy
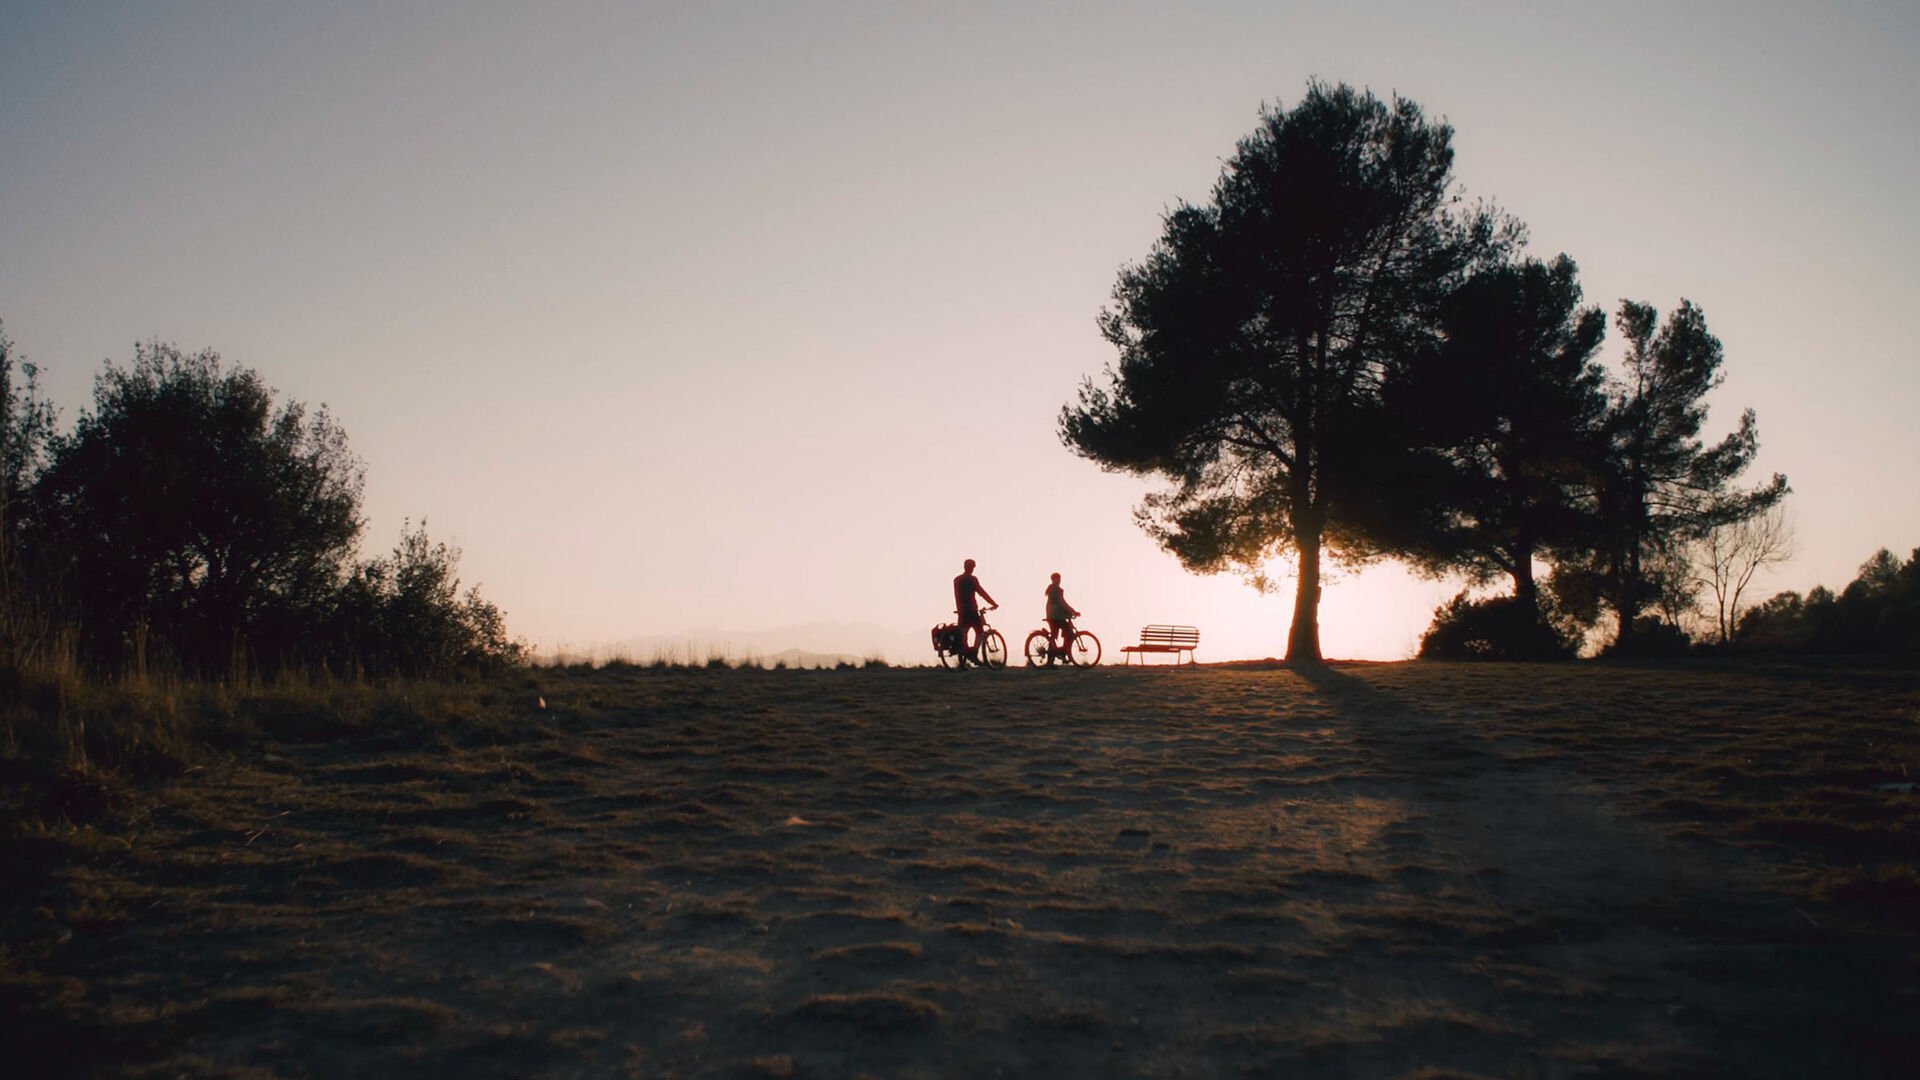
1255, 337
185, 500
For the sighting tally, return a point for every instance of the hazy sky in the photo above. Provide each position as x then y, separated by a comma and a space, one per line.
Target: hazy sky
744, 316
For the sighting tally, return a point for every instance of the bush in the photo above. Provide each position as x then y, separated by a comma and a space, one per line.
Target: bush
1781, 623
1653, 636
405, 615
1501, 628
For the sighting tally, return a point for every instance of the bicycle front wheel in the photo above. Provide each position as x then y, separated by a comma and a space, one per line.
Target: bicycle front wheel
993, 649
1038, 643
1085, 650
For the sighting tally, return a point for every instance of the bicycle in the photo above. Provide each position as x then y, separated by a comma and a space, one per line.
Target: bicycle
956, 647
1081, 650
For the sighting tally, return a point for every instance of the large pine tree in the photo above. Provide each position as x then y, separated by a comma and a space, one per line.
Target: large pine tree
1254, 339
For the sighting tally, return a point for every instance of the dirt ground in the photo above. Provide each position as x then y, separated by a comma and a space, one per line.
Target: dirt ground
1375, 870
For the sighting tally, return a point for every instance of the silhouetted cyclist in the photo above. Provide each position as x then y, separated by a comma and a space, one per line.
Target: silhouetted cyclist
1060, 616
965, 588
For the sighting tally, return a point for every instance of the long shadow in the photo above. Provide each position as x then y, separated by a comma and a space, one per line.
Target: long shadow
1344, 689
1410, 744
1769, 986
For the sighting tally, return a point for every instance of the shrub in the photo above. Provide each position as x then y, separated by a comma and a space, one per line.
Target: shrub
1653, 636
405, 615
1779, 624
1501, 628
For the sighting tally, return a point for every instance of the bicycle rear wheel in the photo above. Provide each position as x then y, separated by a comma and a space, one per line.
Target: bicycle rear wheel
1085, 650
947, 658
1037, 644
993, 650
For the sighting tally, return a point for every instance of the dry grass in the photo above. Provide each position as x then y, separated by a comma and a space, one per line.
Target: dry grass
1377, 870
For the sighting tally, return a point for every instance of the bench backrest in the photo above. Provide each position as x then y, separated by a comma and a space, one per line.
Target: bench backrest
1157, 634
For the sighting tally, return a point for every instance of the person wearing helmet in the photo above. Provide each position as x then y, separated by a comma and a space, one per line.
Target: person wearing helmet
965, 588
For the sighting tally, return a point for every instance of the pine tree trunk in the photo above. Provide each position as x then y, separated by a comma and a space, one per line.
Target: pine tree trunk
1303, 639
1628, 604
1524, 587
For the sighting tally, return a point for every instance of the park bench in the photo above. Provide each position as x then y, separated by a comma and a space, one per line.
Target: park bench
1159, 638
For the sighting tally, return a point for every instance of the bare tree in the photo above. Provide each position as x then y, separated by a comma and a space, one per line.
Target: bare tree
1727, 557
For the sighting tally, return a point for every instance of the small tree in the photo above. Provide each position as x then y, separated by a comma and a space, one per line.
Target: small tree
404, 614
1730, 554
26, 426
1254, 339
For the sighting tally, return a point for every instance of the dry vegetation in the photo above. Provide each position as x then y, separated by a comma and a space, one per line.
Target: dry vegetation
1373, 870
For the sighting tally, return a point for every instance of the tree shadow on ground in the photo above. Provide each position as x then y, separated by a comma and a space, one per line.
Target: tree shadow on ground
1745, 974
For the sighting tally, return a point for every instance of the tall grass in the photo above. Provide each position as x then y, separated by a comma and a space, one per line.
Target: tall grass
73, 745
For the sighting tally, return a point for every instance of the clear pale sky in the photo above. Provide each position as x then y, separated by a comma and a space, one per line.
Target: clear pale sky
707, 319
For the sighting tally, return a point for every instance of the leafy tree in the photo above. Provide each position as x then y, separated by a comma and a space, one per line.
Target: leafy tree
186, 505
1503, 407
1879, 576
1879, 611
1659, 486
1254, 338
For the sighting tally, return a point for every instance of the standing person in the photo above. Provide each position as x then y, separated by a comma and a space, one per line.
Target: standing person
965, 588
1060, 616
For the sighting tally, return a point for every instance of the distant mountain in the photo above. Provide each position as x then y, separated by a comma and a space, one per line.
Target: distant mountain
800, 658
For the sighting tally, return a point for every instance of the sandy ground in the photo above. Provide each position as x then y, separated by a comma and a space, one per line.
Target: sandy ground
1378, 870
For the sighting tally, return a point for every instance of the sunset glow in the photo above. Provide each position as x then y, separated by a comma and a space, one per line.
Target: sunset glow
743, 325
